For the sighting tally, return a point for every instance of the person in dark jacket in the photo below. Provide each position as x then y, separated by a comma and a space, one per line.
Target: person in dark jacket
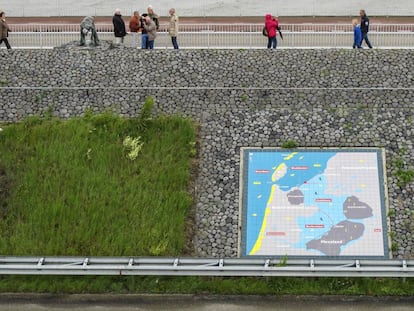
4, 30
364, 28
119, 27
271, 25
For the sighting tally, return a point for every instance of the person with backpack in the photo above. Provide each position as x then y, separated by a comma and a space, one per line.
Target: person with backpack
271, 26
153, 16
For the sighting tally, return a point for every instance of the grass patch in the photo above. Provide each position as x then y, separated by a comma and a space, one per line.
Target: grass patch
289, 144
403, 174
72, 187
208, 285
4, 82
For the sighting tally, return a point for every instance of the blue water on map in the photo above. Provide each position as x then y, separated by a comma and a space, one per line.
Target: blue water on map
260, 184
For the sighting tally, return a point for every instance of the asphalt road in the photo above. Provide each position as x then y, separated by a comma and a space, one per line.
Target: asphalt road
202, 303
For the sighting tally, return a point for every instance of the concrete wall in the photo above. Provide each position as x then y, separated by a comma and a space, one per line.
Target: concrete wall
319, 98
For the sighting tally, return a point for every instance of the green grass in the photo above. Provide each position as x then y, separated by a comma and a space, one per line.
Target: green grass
403, 174
209, 285
289, 144
71, 188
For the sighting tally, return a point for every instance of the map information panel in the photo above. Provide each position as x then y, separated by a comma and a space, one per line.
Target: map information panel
313, 203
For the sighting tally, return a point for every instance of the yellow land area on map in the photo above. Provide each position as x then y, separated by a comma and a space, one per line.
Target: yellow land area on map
279, 172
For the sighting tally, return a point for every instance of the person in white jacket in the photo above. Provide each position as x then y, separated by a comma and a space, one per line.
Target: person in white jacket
173, 28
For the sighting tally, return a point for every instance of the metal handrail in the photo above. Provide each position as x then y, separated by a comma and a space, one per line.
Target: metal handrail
237, 27
222, 36
235, 267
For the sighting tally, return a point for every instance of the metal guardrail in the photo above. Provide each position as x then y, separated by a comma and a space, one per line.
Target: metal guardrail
223, 36
235, 267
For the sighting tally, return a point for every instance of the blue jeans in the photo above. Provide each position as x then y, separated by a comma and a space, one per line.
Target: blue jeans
271, 42
144, 41
174, 42
365, 37
151, 44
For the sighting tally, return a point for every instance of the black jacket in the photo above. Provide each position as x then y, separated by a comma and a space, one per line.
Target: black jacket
364, 24
141, 19
119, 26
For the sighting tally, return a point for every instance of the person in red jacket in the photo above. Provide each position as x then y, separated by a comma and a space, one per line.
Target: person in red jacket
271, 25
134, 27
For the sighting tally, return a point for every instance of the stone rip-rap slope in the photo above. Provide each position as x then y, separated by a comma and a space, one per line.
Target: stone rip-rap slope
319, 98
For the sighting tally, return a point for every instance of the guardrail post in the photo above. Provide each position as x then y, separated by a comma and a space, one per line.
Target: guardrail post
176, 262
41, 261
404, 266
41, 36
208, 37
221, 263
85, 262
250, 36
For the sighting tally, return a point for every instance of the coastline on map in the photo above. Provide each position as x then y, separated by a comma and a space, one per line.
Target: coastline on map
209, 8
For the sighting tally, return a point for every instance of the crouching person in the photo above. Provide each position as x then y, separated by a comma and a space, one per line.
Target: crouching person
88, 26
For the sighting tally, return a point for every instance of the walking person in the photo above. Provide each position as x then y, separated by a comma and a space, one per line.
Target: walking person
4, 30
357, 34
364, 27
151, 28
271, 25
134, 27
119, 27
173, 28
